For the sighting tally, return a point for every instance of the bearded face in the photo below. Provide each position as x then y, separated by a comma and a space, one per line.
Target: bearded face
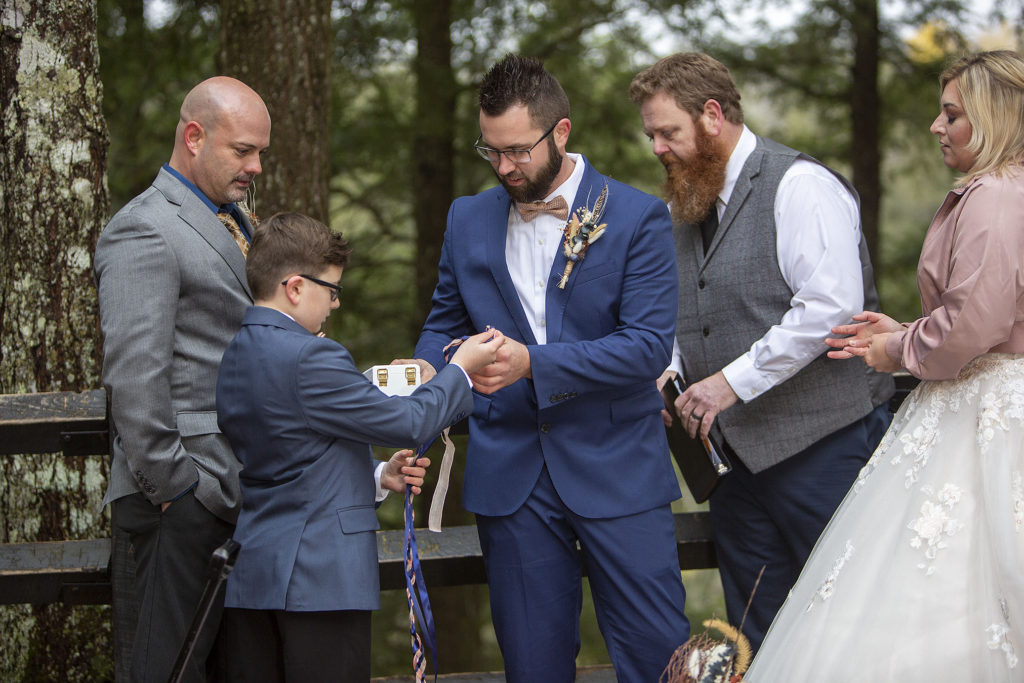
693, 184
538, 184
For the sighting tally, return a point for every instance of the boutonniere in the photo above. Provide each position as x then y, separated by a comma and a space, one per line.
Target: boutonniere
580, 232
248, 204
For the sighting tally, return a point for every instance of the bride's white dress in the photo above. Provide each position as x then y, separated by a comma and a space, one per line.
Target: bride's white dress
920, 574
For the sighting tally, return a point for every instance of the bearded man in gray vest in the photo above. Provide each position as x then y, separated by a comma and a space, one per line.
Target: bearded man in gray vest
770, 257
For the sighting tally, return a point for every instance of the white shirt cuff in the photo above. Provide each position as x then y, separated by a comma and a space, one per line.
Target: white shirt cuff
382, 493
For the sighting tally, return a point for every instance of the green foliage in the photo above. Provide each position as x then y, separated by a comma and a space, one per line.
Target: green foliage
147, 66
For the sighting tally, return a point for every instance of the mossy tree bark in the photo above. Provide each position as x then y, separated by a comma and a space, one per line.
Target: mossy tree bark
283, 51
53, 203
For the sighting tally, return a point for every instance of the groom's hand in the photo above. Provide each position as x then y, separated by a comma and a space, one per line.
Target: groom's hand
511, 365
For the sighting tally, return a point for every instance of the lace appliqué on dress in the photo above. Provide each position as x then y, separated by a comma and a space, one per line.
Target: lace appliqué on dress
828, 586
935, 523
998, 637
1017, 489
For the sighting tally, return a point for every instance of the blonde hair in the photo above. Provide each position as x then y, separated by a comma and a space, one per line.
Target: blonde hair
991, 87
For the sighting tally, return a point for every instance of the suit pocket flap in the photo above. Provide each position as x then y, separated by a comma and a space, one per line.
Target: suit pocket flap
358, 518
196, 423
640, 404
592, 271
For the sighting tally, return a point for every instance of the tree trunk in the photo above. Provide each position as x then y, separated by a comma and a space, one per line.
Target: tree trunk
865, 103
459, 612
53, 203
432, 150
283, 51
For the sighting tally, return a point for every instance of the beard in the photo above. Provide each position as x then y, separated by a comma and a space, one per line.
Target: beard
538, 187
691, 188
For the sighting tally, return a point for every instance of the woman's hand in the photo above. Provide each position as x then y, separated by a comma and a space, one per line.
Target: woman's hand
871, 351
867, 324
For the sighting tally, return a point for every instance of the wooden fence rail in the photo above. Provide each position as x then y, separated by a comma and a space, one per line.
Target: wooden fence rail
79, 571
83, 571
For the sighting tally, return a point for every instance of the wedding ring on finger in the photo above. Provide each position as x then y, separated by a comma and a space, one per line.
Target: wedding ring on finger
695, 416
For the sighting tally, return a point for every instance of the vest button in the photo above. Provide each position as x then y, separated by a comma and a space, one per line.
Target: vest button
706, 331
545, 428
700, 284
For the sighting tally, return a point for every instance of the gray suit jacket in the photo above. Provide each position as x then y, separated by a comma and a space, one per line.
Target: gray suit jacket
172, 293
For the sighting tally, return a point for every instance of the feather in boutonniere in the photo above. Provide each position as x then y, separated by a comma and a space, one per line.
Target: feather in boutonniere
580, 232
248, 204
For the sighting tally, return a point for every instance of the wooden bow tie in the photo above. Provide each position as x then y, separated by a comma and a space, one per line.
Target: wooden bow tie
556, 207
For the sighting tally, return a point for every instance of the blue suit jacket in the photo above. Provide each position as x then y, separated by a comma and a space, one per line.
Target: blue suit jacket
591, 412
301, 417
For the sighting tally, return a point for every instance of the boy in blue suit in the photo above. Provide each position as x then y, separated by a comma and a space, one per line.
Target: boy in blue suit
301, 417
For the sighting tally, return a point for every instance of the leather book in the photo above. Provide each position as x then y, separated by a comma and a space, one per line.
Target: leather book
701, 461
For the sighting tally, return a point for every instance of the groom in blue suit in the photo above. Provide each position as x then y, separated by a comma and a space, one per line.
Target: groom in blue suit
566, 440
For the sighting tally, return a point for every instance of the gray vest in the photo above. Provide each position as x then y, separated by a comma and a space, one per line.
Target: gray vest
730, 298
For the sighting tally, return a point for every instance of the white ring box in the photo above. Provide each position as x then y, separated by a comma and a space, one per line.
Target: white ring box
395, 380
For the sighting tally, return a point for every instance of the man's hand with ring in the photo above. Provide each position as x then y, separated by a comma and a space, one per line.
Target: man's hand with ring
703, 401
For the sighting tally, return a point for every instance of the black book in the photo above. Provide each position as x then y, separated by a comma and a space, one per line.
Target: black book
701, 461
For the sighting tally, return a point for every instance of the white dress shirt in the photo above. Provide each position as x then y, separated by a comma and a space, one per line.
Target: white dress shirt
817, 245
530, 250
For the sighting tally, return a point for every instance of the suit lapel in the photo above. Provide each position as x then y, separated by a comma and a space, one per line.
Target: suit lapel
497, 218
198, 216
556, 299
740, 193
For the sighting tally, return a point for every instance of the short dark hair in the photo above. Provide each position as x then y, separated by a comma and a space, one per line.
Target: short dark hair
691, 79
288, 243
518, 80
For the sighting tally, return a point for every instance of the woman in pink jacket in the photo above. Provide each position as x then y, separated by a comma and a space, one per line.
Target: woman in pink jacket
920, 574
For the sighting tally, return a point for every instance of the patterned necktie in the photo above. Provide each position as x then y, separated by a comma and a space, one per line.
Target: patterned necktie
229, 222
556, 207
709, 225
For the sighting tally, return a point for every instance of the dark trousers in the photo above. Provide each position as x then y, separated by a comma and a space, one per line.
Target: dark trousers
273, 646
773, 518
535, 577
172, 554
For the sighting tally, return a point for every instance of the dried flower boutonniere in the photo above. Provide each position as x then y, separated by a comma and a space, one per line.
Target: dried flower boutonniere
580, 232
248, 204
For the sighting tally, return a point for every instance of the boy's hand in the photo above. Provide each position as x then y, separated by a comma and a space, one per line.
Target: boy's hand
404, 469
478, 351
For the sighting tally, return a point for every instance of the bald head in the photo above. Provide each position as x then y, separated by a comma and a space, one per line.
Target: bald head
217, 97
223, 127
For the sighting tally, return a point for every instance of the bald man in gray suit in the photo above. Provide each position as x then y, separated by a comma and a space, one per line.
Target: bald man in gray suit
172, 293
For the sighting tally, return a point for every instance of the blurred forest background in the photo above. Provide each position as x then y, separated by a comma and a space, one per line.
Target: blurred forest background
374, 115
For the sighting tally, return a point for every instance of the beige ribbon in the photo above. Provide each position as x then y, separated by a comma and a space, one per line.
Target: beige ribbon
441, 488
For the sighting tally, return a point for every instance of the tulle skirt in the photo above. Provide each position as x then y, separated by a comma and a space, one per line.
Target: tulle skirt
920, 574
